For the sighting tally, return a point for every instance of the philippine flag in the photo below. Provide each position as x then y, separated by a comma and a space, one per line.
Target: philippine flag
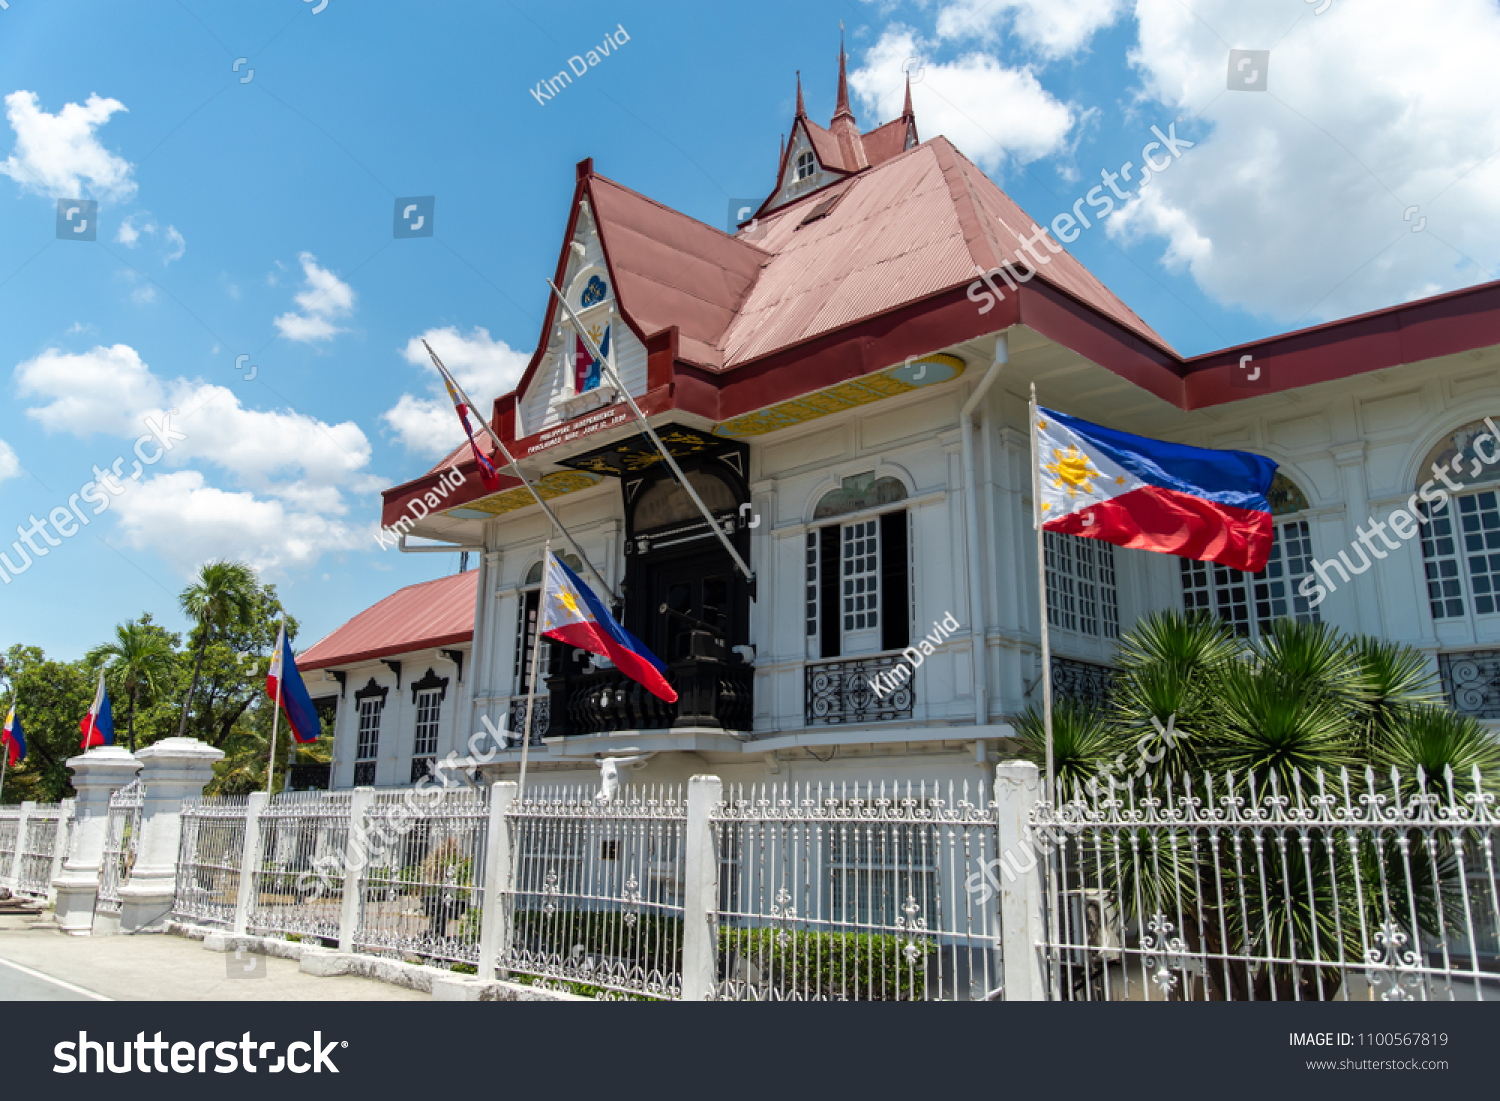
586, 373
98, 725
11, 737
301, 715
571, 613
1190, 501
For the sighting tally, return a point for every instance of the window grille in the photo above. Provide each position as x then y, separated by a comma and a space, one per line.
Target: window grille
1081, 590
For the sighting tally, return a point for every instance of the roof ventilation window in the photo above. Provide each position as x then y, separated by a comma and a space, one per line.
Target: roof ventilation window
822, 210
806, 164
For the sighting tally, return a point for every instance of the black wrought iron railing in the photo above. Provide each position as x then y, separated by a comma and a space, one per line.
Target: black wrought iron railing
859, 690
709, 693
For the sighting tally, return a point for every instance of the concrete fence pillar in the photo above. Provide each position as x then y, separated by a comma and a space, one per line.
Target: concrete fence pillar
494, 922
1018, 788
171, 770
356, 859
244, 901
700, 896
17, 861
60, 842
97, 775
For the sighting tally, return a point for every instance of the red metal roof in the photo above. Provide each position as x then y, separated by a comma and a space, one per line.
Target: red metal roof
418, 617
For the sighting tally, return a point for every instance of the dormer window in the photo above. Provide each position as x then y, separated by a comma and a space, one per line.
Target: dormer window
806, 164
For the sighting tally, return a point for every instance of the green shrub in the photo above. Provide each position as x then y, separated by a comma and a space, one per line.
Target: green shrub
840, 966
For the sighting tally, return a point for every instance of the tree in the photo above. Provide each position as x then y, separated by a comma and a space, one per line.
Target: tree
219, 599
51, 697
142, 655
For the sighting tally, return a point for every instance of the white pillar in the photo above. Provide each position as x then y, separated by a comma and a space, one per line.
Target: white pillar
356, 860
249, 862
700, 897
1018, 787
97, 775
171, 770
494, 927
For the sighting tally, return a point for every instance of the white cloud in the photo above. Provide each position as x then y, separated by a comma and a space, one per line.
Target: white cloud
1054, 28
186, 521
179, 245
10, 466
128, 235
1294, 206
323, 299
55, 154
484, 367
101, 390
289, 472
991, 112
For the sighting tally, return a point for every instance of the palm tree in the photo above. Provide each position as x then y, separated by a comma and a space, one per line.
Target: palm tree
222, 596
140, 655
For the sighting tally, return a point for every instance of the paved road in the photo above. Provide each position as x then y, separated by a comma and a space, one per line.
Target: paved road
38, 963
23, 984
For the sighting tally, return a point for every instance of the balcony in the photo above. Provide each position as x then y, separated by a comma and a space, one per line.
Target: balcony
710, 693
838, 693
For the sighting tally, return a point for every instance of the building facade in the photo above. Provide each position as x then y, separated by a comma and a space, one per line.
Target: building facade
844, 382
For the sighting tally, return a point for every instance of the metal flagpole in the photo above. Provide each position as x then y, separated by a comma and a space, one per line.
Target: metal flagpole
606, 369
485, 424
1053, 908
1041, 573
536, 654
5, 749
276, 714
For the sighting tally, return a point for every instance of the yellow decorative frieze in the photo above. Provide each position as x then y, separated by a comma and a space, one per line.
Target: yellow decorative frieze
915, 374
556, 484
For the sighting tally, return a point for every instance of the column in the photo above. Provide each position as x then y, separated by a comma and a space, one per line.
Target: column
171, 771
700, 896
1018, 787
97, 775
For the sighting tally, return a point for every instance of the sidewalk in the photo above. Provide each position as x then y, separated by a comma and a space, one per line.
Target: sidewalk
160, 968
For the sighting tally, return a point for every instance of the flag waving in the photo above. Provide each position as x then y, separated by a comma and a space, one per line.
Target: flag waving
571, 613
1099, 483
487, 472
301, 715
98, 725
11, 738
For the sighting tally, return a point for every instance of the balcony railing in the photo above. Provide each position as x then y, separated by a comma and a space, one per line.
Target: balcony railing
1471, 681
862, 690
710, 693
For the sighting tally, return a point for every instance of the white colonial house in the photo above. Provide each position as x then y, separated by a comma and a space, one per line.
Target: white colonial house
844, 381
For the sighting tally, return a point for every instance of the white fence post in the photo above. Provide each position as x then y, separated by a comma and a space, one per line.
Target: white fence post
171, 770
494, 928
249, 862
1018, 787
97, 775
13, 880
60, 843
700, 895
356, 859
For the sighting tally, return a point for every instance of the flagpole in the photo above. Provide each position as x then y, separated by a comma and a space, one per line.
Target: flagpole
5, 748
499, 443
276, 714
536, 655
1041, 572
605, 367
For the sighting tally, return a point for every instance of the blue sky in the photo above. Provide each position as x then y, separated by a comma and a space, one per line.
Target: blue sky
253, 217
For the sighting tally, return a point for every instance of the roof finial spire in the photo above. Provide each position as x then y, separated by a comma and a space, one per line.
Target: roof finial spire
906, 111
842, 107
801, 110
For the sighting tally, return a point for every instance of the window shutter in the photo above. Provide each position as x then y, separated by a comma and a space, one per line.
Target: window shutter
895, 583
829, 572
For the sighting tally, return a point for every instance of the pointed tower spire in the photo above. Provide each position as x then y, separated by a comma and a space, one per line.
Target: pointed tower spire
842, 107
801, 110
906, 111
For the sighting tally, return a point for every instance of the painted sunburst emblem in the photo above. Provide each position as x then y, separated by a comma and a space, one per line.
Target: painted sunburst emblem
1072, 471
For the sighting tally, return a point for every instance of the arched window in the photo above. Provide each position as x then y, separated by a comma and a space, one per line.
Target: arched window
666, 502
1461, 535
858, 580
530, 600
807, 164
1250, 602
